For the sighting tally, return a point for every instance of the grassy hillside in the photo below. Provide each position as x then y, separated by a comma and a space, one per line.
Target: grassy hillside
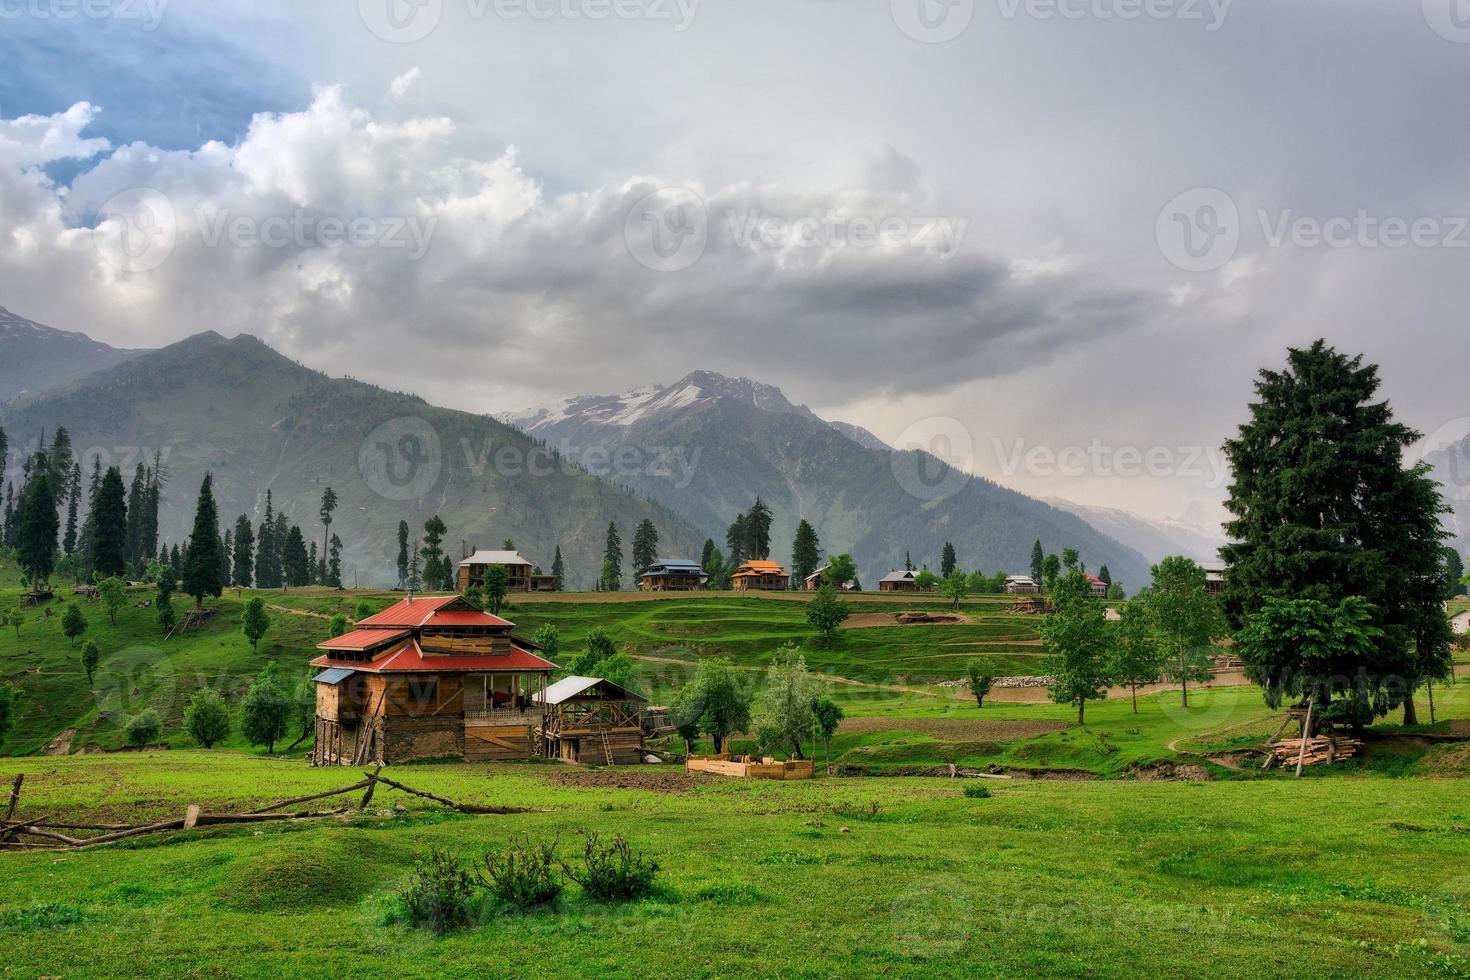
822, 878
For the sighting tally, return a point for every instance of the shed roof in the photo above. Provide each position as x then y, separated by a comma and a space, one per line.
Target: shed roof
411, 659
422, 610
759, 566
496, 558
903, 576
571, 687
334, 675
363, 639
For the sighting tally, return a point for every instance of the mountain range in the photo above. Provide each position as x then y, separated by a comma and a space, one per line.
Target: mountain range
710, 444
34, 357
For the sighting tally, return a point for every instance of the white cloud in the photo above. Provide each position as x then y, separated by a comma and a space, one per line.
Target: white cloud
399, 89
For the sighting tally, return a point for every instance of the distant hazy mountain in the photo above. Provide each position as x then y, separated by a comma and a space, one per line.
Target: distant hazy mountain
707, 445
34, 357
1450, 465
259, 421
1152, 539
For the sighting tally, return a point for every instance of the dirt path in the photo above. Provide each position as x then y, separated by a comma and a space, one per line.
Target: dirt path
830, 678
290, 611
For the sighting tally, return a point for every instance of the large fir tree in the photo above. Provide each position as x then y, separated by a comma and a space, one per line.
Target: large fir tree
37, 524
806, 551
612, 560
645, 546
204, 565
243, 572
109, 520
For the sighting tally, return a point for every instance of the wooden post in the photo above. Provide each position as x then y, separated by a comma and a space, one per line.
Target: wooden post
14, 796
1301, 756
1430, 688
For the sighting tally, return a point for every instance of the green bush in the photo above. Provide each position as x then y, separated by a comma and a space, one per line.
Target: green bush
207, 719
613, 872
143, 728
977, 791
438, 895
523, 876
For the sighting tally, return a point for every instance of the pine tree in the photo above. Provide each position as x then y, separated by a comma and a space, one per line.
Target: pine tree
758, 530
1104, 576
334, 563
1037, 558
735, 537
558, 570
60, 461
11, 525
244, 558
265, 547
176, 561
908, 562
645, 546
328, 505
74, 491
947, 560
137, 492
402, 554
226, 558
148, 530
203, 568
36, 517
294, 564
278, 549
411, 573
4, 451
612, 560
316, 566
109, 519
707, 553
433, 552
806, 552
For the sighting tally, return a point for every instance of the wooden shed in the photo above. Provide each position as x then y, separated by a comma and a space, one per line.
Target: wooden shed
590, 719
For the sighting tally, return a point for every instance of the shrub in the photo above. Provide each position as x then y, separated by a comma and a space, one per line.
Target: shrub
143, 728
523, 876
437, 897
613, 872
206, 719
976, 791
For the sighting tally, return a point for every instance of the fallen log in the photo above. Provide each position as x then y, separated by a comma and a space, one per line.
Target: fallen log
362, 784
462, 807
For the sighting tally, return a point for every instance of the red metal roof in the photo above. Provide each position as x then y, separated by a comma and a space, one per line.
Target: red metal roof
418, 611
362, 639
409, 659
456, 617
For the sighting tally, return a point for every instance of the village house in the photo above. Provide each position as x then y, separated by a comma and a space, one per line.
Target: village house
898, 582
1099, 587
521, 572
1214, 576
1021, 585
817, 579
760, 575
673, 575
429, 677
589, 719
1460, 622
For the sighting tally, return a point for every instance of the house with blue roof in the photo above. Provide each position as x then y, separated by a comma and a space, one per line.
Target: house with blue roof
673, 575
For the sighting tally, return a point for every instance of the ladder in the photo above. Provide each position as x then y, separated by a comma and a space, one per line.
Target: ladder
606, 746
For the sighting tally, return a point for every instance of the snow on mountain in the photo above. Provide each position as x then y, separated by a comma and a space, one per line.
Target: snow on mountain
653, 401
1150, 538
34, 357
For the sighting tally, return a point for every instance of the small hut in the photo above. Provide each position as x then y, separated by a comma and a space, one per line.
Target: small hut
589, 719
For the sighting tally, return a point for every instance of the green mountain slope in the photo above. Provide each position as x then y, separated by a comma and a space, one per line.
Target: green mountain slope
259, 422
34, 357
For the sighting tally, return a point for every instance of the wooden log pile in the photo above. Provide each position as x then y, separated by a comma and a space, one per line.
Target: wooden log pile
46, 833
1319, 749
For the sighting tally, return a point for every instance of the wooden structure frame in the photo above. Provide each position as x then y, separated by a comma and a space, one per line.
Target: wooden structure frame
590, 719
747, 768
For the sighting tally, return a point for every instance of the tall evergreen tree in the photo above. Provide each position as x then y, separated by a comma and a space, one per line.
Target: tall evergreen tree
278, 550
758, 530
244, 557
402, 554
558, 570
1104, 576
334, 563
294, 565
432, 551
60, 461
806, 552
707, 552
328, 505
316, 566
36, 517
137, 498
908, 562
227, 557
947, 560
265, 548
1037, 558
645, 546
73, 492
12, 526
612, 560
176, 561
1325, 509
735, 538
4, 451
110, 526
202, 569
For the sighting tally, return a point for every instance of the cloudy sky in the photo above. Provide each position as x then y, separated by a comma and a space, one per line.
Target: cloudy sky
1006, 229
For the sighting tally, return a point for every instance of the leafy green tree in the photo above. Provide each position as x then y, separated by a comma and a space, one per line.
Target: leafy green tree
558, 570
828, 715
337, 625
255, 621
548, 638
783, 709
267, 709
1038, 559
36, 538
497, 585
1071, 558
143, 728
826, 613
1324, 509
362, 610
91, 657
17, 619
1051, 570
207, 718
1138, 657
979, 679
947, 560
611, 580
163, 601
955, 587
806, 551
645, 546
10, 698
1079, 641
113, 593
841, 569
926, 581
73, 623
599, 647
714, 701
1115, 591
1186, 618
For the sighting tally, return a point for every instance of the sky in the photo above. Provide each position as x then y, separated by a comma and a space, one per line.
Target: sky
1050, 240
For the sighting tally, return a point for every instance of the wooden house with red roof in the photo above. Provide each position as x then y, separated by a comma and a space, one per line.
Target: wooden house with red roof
430, 677
759, 574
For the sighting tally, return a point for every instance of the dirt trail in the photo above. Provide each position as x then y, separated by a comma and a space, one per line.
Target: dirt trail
296, 612
830, 678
